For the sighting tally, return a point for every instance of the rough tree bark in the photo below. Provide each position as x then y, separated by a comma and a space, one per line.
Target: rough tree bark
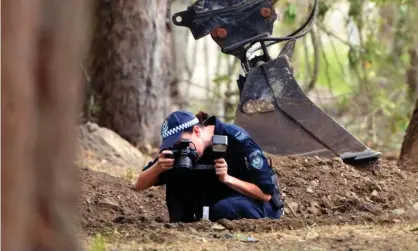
409, 151
131, 67
42, 45
412, 74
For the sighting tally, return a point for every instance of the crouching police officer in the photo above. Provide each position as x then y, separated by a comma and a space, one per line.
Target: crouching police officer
242, 185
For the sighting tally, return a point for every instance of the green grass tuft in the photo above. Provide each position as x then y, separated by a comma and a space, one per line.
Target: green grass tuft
98, 243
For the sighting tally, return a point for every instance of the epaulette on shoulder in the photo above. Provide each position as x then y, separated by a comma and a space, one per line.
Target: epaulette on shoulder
236, 132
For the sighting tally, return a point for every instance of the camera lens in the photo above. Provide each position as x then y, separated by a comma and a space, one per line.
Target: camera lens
184, 162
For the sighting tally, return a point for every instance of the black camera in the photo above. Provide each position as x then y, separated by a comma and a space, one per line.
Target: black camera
186, 157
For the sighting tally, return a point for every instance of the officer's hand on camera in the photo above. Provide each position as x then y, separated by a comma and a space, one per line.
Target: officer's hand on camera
165, 163
221, 168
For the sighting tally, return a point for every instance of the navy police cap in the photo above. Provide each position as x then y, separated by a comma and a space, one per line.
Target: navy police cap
174, 125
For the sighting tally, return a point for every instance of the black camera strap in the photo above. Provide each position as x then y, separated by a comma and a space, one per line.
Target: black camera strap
275, 198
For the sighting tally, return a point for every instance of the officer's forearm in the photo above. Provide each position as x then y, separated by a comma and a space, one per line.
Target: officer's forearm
148, 178
246, 188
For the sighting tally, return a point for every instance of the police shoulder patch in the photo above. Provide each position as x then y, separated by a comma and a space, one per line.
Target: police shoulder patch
256, 159
236, 132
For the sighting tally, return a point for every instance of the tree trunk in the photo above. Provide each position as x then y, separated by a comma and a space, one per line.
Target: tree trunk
131, 68
389, 15
43, 42
409, 151
412, 74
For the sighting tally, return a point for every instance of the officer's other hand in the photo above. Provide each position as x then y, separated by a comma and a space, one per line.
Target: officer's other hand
221, 168
165, 163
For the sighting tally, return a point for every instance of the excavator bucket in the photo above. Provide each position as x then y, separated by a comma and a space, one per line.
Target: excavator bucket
272, 107
274, 110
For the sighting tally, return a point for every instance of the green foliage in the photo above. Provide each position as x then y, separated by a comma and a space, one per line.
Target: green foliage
129, 174
323, 8
355, 11
290, 13
221, 79
98, 243
333, 68
368, 79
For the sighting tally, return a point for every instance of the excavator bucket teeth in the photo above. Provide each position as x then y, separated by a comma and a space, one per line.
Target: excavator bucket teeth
274, 110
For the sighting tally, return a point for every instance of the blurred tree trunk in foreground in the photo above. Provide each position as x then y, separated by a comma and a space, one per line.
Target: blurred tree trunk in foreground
131, 67
43, 43
409, 150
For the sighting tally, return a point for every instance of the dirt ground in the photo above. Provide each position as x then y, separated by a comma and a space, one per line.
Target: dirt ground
399, 237
329, 206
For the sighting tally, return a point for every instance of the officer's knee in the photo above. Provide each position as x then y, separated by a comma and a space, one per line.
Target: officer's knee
236, 208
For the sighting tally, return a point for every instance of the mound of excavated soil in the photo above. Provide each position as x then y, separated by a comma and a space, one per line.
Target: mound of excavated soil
102, 149
316, 191
315, 187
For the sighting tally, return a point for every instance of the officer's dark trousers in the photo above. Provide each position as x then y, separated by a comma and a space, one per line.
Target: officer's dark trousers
184, 205
239, 207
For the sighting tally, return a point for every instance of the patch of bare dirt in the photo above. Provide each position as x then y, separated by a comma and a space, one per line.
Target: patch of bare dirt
399, 237
107, 201
316, 192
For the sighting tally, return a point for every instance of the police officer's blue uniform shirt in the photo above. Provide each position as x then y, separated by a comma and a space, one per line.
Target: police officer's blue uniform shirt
244, 158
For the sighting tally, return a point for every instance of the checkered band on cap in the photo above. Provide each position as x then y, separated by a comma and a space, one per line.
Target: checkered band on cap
180, 128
